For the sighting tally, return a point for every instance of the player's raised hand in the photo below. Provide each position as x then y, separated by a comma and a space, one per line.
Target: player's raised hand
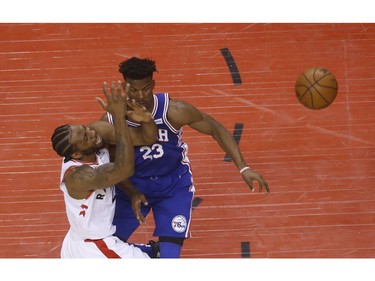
117, 100
138, 113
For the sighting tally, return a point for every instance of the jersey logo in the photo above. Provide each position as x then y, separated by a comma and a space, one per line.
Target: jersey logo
163, 135
179, 223
100, 196
83, 212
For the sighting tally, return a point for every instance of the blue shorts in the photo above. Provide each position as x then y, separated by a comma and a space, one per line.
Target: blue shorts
170, 198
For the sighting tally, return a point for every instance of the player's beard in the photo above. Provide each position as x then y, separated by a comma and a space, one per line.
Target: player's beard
94, 149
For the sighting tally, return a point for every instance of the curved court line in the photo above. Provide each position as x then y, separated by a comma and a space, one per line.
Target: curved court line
232, 66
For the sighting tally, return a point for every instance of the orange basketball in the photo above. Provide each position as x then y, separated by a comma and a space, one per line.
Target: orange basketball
316, 88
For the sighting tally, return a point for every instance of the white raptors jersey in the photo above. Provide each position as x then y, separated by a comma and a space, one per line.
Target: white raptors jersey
90, 218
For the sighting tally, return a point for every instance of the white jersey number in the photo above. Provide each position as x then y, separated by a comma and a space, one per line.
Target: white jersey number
155, 151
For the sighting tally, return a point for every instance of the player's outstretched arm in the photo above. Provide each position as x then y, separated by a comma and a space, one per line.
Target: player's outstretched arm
182, 113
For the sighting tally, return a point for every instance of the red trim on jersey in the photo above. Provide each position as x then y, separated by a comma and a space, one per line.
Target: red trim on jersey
86, 163
88, 195
71, 168
102, 246
68, 170
75, 166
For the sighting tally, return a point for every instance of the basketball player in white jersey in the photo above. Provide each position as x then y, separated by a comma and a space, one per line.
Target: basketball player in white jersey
88, 176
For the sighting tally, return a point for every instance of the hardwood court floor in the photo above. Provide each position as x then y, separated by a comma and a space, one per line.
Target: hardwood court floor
319, 164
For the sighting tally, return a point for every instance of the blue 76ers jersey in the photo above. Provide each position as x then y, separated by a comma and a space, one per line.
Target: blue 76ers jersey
163, 175
166, 156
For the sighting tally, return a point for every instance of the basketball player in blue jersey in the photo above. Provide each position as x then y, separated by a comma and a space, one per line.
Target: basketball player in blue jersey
163, 180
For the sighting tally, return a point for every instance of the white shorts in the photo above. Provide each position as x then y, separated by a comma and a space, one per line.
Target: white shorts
110, 247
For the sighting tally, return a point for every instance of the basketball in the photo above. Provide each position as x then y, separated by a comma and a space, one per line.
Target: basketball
316, 88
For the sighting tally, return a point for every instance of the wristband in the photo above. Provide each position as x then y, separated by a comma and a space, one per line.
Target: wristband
244, 169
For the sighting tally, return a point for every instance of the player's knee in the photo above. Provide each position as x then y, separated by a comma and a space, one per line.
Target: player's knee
175, 240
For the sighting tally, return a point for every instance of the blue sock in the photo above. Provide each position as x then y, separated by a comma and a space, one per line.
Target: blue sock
169, 250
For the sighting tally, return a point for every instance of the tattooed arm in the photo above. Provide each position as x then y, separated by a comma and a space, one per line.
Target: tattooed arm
82, 180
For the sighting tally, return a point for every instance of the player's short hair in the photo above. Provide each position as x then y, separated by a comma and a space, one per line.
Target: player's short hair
137, 68
60, 141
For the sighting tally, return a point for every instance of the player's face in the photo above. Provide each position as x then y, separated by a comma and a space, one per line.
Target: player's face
85, 139
141, 91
